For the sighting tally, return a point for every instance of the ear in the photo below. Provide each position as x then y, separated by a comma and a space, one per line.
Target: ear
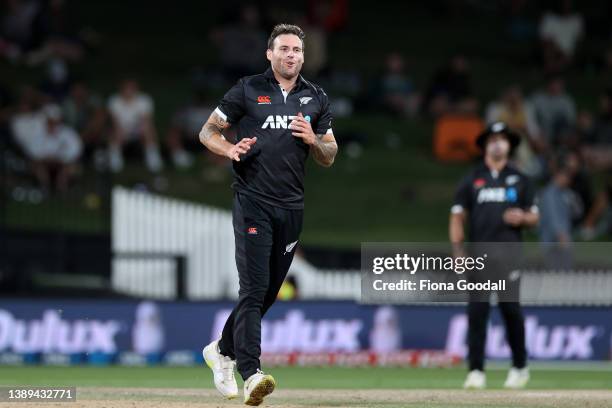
269, 54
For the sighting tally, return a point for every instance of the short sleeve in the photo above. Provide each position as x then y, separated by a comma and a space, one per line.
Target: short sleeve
463, 196
324, 123
232, 106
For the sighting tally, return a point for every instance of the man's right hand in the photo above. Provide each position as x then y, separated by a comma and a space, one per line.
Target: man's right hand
242, 147
514, 216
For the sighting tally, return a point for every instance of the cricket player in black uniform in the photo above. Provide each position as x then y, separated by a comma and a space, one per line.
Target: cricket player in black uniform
496, 201
280, 119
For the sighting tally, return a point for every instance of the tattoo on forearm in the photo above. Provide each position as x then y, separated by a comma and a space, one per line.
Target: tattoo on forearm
324, 152
214, 126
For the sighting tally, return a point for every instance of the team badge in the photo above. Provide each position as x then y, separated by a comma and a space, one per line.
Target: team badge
304, 100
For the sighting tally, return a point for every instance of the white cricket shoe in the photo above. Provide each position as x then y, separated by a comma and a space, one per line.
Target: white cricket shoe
223, 370
257, 386
476, 380
517, 378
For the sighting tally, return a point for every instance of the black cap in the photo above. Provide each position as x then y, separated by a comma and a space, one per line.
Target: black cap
496, 128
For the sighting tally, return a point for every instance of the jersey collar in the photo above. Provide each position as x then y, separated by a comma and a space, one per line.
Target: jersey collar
485, 169
299, 83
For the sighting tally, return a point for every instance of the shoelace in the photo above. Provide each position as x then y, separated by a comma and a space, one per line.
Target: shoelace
227, 365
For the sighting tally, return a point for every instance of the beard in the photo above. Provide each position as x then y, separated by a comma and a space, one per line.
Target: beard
289, 73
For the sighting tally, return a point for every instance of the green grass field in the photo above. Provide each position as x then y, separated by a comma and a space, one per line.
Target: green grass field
554, 386
297, 377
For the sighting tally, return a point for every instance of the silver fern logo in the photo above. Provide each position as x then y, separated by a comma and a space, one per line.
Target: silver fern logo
290, 247
304, 100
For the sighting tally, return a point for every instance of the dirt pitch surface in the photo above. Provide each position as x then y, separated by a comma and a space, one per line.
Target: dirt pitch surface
89, 397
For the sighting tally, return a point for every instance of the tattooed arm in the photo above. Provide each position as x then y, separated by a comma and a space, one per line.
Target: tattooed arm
211, 136
323, 147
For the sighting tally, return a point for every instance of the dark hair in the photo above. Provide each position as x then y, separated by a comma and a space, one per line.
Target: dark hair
281, 29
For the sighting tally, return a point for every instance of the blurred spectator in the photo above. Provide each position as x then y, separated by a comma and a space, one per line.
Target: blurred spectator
519, 115
315, 48
555, 111
450, 90
598, 221
56, 151
27, 122
242, 44
559, 207
57, 81
597, 152
512, 109
186, 125
598, 144
323, 17
85, 112
560, 32
602, 133
582, 183
396, 88
582, 131
132, 116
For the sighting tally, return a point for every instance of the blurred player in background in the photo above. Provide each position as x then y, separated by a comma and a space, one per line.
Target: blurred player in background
148, 336
386, 335
280, 118
497, 201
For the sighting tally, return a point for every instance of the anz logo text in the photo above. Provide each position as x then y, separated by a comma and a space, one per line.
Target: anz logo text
497, 195
278, 121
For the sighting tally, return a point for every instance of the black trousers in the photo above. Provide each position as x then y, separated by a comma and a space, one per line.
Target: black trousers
478, 316
502, 261
266, 237
512, 314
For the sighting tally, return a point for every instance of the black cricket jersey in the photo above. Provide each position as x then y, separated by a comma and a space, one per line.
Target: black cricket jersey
485, 196
273, 170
